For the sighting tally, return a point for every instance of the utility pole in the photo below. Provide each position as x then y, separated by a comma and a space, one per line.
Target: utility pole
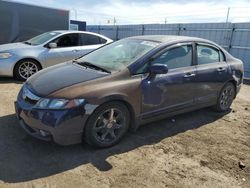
114, 20
228, 11
166, 20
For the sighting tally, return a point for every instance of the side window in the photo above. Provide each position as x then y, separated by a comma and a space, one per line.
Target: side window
207, 54
68, 40
103, 41
88, 39
176, 57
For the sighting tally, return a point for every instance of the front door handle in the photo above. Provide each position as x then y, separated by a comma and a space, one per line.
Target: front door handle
188, 75
221, 69
75, 50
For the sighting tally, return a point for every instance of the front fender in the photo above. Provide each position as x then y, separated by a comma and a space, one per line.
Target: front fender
125, 100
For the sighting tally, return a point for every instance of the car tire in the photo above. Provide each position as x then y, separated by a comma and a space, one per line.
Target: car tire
26, 68
107, 125
226, 97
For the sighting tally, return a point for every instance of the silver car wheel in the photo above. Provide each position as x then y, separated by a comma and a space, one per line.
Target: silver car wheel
27, 69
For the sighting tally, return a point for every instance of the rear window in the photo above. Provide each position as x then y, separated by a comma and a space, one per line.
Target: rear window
88, 39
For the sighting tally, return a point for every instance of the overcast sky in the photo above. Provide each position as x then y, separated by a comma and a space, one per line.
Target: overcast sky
151, 11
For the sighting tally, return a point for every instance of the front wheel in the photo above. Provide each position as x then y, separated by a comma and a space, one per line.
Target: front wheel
107, 125
26, 68
226, 98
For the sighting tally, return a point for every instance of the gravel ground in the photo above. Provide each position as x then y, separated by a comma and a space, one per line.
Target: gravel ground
198, 149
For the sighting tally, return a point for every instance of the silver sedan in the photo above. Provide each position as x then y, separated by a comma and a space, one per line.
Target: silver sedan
24, 59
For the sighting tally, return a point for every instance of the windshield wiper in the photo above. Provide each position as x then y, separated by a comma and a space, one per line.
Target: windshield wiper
91, 66
26, 42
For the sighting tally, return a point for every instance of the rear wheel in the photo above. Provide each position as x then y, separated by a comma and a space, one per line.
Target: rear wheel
226, 98
26, 68
107, 125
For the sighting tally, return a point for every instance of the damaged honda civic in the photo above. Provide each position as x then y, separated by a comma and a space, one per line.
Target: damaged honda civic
99, 97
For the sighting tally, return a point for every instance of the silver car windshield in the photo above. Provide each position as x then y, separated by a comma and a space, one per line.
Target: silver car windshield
40, 39
119, 55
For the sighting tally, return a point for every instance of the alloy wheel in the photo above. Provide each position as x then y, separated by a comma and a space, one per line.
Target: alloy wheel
27, 69
227, 96
108, 126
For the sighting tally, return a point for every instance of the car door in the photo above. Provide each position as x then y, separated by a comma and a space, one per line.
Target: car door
90, 42
174, 90
67, 49
212, 72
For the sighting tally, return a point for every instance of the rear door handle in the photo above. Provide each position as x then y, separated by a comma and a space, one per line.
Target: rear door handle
75, 50
221, 69
188, 75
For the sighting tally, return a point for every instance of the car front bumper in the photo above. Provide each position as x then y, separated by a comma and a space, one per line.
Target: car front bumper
64, 127
7, 66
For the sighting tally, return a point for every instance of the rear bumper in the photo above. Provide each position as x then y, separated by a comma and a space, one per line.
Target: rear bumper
64, 127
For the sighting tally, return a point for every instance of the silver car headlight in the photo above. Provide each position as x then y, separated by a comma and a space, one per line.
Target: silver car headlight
5, 55
58, 103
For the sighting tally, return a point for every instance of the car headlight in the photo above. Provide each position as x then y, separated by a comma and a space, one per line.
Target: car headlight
5, 55
58, 103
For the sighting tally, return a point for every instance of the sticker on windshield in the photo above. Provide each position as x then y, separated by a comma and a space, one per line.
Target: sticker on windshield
148, 43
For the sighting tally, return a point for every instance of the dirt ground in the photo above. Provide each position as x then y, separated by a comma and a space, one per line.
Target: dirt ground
198, 149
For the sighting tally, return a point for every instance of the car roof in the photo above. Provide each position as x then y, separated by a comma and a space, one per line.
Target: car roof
75, 31
168, 38
71, 31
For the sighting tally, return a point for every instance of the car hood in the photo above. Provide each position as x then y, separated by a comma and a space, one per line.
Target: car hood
60, 76
14, 46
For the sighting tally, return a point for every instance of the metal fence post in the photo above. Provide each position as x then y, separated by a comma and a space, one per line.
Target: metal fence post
231, 38
179, 29
99, 29
142, 31
117, 33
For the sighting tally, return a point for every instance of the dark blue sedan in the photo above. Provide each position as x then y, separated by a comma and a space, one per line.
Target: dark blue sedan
136, 80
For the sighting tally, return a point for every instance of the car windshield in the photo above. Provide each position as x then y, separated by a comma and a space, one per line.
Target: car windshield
119, 55
40, 39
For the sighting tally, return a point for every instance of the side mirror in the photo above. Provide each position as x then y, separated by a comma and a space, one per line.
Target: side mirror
52, 45
158, 69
